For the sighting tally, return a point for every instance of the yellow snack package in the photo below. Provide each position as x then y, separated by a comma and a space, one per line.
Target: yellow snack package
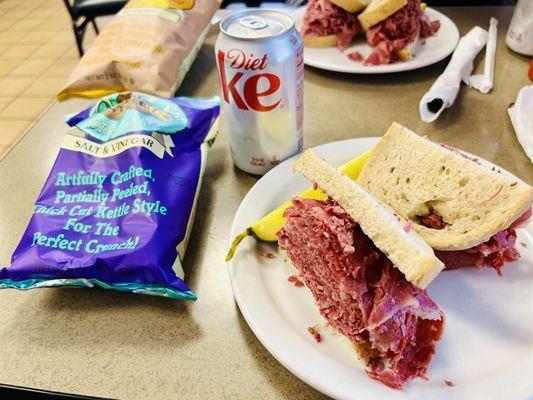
148, 47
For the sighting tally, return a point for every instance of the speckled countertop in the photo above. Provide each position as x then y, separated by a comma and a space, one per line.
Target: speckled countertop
118, 345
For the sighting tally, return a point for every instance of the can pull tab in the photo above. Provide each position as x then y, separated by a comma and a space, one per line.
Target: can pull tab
253, 22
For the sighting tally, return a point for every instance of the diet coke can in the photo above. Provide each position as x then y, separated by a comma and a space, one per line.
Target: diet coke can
260, 67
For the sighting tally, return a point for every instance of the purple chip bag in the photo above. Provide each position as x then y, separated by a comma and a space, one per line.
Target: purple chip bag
117, 208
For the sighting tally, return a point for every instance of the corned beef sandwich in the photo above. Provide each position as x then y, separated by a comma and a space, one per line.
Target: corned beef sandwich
392, 27
467, 212
329, 23
366, 272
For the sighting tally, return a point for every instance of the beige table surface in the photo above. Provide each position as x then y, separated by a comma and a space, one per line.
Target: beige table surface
119, 345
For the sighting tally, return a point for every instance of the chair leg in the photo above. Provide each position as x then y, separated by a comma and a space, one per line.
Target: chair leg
79, 32
78, 36
95, 26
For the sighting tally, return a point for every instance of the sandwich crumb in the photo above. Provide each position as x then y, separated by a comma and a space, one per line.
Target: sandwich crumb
523, 244
315, 185
314, 331
449, 383
268, 255
407, 226
356, 56
295, 280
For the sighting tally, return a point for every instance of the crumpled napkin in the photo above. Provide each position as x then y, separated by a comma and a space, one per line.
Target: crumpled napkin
484, 82
521, 114
444, 91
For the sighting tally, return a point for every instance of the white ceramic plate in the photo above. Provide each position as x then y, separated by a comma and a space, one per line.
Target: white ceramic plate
487, 348
435, 49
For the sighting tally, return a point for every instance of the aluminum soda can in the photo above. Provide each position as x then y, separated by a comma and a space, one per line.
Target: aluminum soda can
260, 64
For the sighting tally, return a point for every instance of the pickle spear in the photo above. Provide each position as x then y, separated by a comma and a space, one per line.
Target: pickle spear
266, 228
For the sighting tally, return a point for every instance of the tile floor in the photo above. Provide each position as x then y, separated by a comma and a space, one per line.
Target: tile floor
37, 54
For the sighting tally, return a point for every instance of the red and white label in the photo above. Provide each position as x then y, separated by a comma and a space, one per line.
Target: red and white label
262, 87
244, 85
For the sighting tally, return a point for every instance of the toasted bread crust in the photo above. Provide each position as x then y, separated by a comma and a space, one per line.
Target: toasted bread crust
378, 10
320, 41
352, 6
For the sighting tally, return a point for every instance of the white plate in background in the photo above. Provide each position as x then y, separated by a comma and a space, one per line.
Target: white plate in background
435, 49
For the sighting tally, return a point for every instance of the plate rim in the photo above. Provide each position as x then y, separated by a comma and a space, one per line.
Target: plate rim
389, 68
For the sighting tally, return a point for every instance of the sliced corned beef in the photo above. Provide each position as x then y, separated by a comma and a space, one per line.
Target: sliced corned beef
397, 31
433, 220
360, 293
324, 18
382, 54
494, 253
356, 56
428, 28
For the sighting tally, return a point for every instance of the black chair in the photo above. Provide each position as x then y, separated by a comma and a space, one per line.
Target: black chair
84, 11
249, 3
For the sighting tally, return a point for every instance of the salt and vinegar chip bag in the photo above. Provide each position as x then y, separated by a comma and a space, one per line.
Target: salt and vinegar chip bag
117, 208
149, 46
